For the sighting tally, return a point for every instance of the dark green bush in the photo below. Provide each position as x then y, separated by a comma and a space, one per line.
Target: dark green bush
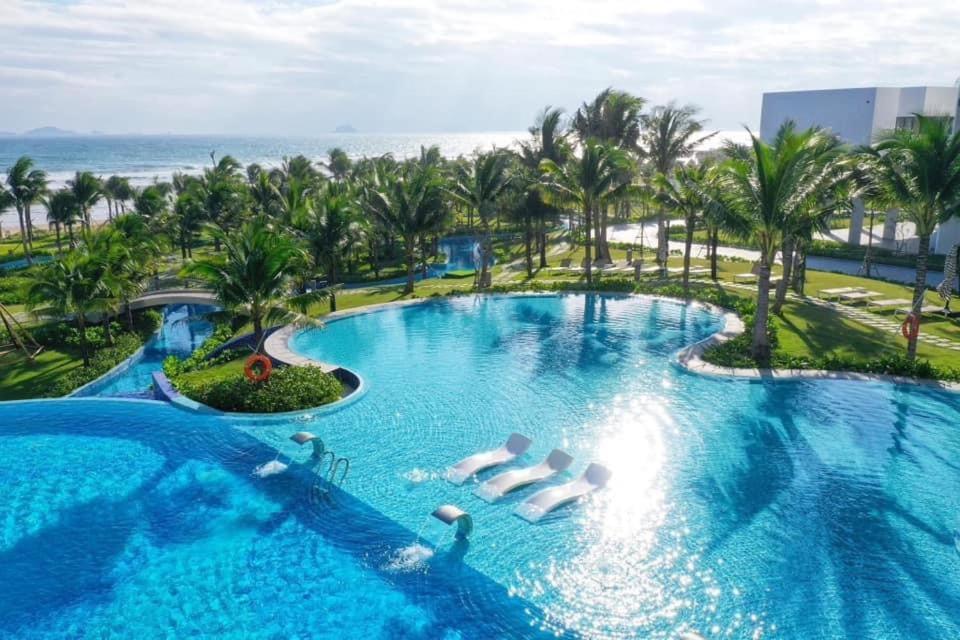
13, 289
125, 345
288, 389
174, 366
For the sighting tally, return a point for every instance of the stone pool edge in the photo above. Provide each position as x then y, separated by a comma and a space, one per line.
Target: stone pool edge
691, 358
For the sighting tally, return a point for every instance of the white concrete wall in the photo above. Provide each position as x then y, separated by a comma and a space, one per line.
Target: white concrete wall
847, 112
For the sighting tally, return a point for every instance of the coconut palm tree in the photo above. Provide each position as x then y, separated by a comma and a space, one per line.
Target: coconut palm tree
771, 187
150, 202
329, 226
590, 182
669, 134
411, 202
113, 188
87, 191
70, 286
338, 163
479, 184
687, 192
548, 140
919, 169
62, 213
613, 118
254, 276
26, 185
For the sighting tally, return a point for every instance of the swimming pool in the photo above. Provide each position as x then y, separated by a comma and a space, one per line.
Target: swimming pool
737, 509
185, 327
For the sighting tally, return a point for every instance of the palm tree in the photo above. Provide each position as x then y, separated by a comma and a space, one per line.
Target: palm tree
87, 191
338, 163
920, 171
62, 213
26, 185
687, 193
669, 134
479, 185
254, 277
150, 202
768, 189
613, 118
329, 226
548, 141
113, 188
596, 179
69, 286
411, 202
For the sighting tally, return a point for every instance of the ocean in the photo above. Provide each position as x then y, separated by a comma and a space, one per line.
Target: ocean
144, 159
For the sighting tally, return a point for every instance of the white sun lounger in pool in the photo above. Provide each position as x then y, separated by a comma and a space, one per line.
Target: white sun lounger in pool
516, 445
502, 484
543, 502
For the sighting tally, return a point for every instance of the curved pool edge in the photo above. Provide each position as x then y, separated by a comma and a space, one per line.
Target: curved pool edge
117, 369
691, 359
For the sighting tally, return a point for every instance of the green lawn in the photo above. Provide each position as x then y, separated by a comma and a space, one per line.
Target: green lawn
20, 379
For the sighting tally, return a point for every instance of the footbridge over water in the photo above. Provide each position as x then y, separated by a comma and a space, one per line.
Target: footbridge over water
162, 297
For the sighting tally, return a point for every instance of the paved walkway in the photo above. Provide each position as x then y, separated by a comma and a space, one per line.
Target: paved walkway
861, 315
630, 233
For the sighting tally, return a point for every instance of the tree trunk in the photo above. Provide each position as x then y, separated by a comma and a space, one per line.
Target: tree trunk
760, 348
588, 257
687, 244
333, 280
662, 246
786, 254
73, 241
109, 210
714, 241
543, 245
107, 335
528, 244
258, 332
56, 226
29, 220
799, 268
919, 290
409, 242
23, 236
82, 326
129, 315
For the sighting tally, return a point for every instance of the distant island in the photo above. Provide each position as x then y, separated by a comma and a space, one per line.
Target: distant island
48, 132
344, 128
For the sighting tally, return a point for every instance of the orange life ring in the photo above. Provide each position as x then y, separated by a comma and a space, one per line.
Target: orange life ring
911, 326
255, 361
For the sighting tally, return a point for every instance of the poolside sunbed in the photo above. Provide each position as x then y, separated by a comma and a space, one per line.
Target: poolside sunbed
826, 294
888, 302
543, 502
859, 296
927, 308
515, 445
744, 277
498, 486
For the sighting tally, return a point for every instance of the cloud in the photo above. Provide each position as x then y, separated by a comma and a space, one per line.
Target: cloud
300, 66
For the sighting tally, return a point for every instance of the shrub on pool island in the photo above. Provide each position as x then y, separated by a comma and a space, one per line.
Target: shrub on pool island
287, 389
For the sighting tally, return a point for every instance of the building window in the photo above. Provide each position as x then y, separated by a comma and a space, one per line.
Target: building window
908, 123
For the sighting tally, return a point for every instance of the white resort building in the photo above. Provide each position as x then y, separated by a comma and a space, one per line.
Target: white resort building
857, 116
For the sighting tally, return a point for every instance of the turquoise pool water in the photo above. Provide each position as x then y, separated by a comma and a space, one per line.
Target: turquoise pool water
737, 509
184, 328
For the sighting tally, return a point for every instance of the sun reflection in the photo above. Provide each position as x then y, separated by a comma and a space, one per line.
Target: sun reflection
637, 573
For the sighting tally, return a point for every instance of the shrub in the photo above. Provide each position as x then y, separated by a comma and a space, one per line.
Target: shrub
13, 289
174, 366
288, 389
125, 345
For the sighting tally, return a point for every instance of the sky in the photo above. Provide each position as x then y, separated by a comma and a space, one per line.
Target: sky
302, 67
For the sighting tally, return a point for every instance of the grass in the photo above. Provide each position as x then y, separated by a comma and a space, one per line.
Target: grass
21, 379
216, 373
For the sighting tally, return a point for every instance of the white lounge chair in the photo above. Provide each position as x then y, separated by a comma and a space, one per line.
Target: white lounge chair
516, 445
543, 502
859, 296
502, 484
836, 292
888, 302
